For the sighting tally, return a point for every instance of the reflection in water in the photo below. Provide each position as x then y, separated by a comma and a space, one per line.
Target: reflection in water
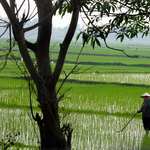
145, 143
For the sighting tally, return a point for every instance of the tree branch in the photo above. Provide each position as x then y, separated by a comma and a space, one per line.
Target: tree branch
134, 56
31, 46
22, 44
48, 16
64, 46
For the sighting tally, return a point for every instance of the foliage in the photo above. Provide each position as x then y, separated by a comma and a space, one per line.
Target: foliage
9, 140
124, 18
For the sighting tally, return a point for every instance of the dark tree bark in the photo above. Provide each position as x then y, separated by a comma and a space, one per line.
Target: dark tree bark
51, 133
125, 22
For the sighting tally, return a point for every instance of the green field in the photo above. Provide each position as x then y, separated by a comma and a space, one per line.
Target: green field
101, 100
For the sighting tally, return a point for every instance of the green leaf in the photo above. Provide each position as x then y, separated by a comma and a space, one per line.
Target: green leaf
92, 41
118, 36
60, 9
113, 9
88, 40
126, 35
64, 11
84, 37
122, 38
101, 14
93, 44
78, 36
92, 9
132, 35
98, 6
98, 42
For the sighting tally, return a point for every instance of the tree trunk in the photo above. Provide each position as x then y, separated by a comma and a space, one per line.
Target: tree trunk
50, 132
52, 137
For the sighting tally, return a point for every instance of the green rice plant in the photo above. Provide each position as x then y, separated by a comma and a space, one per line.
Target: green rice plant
92, 132
95, 110
129, 47
120, 98
101, 69
19, 120
113, 77
15, 93
104, 98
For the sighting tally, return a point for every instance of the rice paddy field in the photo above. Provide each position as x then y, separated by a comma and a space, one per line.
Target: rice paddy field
101, 101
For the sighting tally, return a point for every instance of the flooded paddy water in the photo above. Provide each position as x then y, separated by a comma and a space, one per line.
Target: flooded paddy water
91, 131
115, 77
97, 132
18, 120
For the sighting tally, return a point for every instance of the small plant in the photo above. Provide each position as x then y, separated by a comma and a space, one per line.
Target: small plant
9, 140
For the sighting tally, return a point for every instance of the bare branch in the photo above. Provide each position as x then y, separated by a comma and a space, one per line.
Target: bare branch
134, 56
6, 25
87, 17
79, 54
28, 9
22, 44
53, 45
77, 72
64, 46
4, 32
4, 21
31, 15
10, 47
67, 130
48, 16
66, 76
29, 84
73, 70
63, 94
34, 129
20, 7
